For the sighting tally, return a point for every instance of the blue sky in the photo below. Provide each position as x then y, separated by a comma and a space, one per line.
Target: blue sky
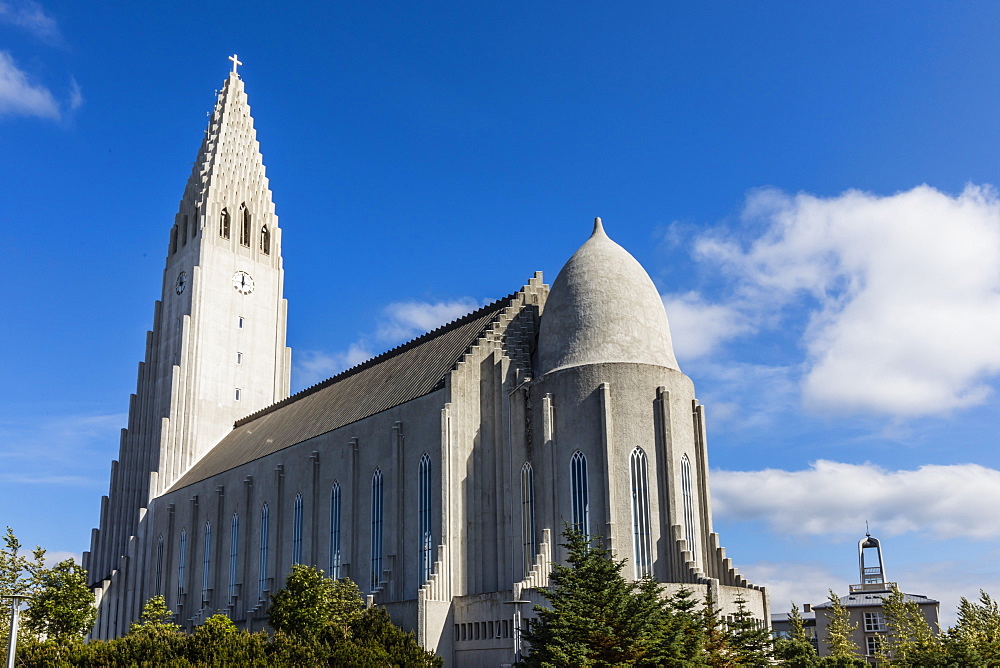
811, 186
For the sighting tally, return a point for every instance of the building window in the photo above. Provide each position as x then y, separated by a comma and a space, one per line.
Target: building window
641, 555
234, 551
173, 240
297, 531
239, 323
874, 622
376, 547
239, 358
579, 492
182, 561
245, 226
689, 526
206, 567
335, 531
265, 240
262, 559
872, 645
528, 547
424, 513
184, 230
224, 224
237, 394
194, 223
158, 579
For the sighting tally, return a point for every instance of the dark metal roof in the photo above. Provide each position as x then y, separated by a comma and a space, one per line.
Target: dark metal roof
393, 378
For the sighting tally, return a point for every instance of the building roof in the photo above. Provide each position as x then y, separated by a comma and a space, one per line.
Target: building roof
402, 374
870, 598
603, 307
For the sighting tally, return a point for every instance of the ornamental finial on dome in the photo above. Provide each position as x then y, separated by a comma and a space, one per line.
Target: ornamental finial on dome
598, 228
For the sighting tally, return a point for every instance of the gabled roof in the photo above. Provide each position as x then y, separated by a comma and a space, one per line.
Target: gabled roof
393, 378
870, 598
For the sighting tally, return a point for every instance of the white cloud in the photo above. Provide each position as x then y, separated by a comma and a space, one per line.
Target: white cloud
20, 97
792, 581
835, 498
698, 327
903, 293
75, 95
400, 321
30, 16
406, 320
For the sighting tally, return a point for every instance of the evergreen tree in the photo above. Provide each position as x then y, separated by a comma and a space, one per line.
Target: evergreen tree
839, 629
749, 641
597, 617
795, 651
717, 651
682, 639
63, 605
910, 641
975, 638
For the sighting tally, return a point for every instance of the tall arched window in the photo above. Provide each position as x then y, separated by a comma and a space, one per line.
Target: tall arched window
206, 566
579, 490
265, 240
262, 560
335, 531
182, 561
641, 552
424, 512
376, 530
234, 551
689, 525
245, 226
528, 547
297, 531
224, 224
158, 579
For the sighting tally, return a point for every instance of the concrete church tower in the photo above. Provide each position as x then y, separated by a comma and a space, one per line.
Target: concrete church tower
216, 351
623, 435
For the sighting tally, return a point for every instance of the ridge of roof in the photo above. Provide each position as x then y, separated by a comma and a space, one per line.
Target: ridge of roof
392, 352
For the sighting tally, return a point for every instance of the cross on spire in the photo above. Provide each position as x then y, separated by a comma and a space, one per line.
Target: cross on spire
236, 62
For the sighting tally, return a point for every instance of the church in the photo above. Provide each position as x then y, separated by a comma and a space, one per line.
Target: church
438, 475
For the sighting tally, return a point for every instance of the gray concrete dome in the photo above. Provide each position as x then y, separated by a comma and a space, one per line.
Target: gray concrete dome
603, 307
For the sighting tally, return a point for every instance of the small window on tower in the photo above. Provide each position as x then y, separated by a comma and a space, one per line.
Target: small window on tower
265, 240
237, 394
184, 230
245, 227
239, 358
224, 224
173, 240
194, 224
240, 322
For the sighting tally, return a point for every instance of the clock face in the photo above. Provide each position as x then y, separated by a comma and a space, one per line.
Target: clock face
243, 282
182, 280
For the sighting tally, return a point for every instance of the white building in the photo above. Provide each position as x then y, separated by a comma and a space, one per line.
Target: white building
437, 475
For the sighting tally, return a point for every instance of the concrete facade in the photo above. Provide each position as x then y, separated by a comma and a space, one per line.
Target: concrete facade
438, 475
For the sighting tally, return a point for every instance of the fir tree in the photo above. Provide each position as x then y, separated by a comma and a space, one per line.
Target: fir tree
839, 629
597, 617
795, 651
749, 641
910, 641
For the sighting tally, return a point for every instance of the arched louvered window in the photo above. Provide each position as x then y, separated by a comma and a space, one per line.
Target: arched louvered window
194, 223
579, 490
206, 566
224, 224
245, 227
376, 535
335, 531
297, 531
173, 239
234, 552
158, 572
265, 517
689, 526
424, 516
265, 240
182, 562
641, 552
528, 546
